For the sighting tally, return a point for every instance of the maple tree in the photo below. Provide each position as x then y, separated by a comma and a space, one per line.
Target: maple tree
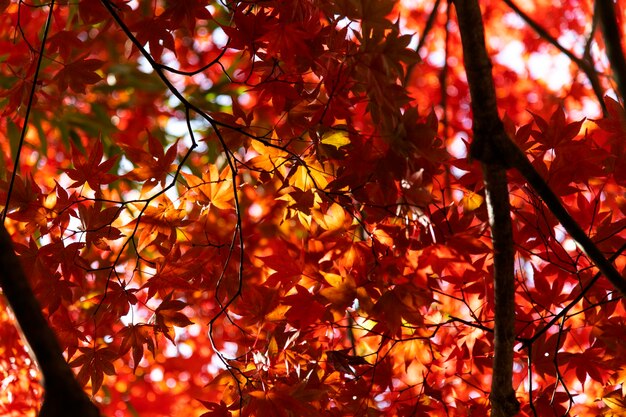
312, 208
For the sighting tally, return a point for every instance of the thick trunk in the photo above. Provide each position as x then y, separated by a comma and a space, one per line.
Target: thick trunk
488, 134
63, 395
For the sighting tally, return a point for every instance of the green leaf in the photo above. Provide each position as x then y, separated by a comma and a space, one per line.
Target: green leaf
13, 132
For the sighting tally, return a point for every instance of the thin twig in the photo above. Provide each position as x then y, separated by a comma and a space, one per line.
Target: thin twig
29, 106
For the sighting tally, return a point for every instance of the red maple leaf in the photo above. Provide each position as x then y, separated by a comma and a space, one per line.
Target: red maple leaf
96, 223
91, 170
156, 34
168, 314
153, 166
94, 363
79, 74
134, 337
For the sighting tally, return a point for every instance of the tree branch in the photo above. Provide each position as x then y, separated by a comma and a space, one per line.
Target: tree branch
516, 159
585, 63
612, 40
492, 145
488, 133
63, 395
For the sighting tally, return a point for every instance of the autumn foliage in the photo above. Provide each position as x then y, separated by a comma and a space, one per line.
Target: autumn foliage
268, 208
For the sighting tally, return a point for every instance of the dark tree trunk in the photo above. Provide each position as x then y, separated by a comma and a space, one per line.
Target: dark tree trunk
63, 395
492, 146
488, 134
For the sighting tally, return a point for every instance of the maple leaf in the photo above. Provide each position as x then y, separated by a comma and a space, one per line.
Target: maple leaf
212, 188
57, 294
227, 383
613, 125
187, 13
344, 362
91, 170
153, 166
283, 95
399, 305
616, 402
117, 299
28, 199
336, 139
168, 314
557, 131
277, 402
334, 218
289, 41
309, 175
68, 333
96, 223
215, 409
78, 74
91, 11
135, 336
94, 363
287, 270
304, 309
248, 28
65, 42
257, 303
64, 210
471, 201
587, 363
156, 34
341, 291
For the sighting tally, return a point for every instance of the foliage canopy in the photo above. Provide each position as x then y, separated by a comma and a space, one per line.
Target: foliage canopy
268, 208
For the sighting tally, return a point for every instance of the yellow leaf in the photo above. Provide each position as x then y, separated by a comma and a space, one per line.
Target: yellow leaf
383, 237
213, 188
310, 176
268, 158
471, 201
277, 314
333, 279
336, 139
305, 219
342, 289
333, 219
616, 403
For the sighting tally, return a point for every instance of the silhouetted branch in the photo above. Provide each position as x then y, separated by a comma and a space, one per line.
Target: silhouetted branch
613, 42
